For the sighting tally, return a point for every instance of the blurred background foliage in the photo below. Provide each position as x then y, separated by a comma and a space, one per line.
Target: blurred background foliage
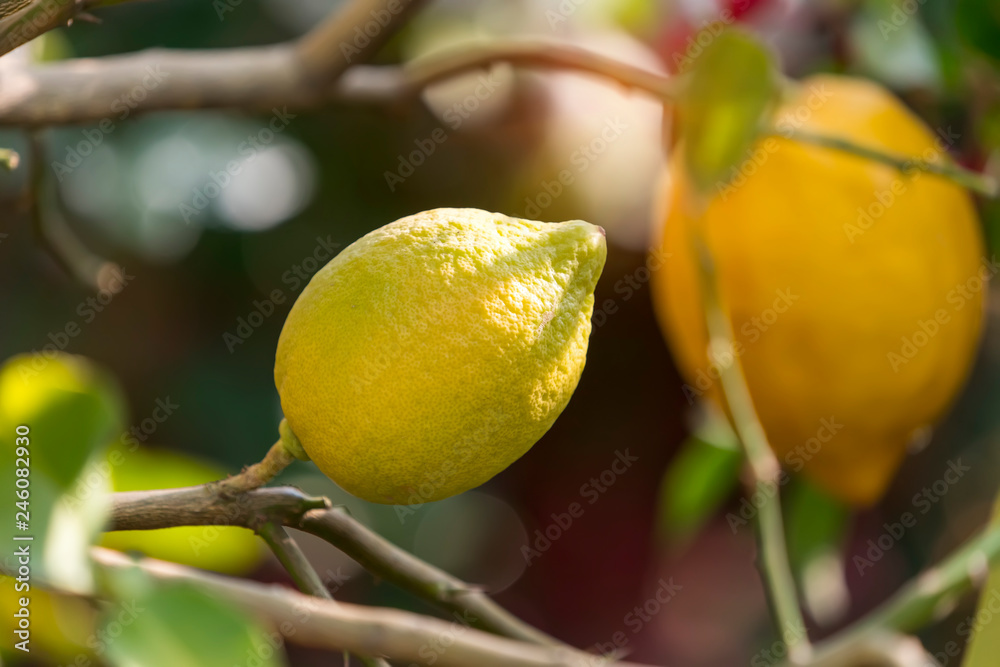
209, 278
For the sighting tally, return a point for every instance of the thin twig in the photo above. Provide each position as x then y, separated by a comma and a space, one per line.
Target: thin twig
302, 572
404, 636
55, 235
538, 54
883, 648
925, 597
204, 506
259, 78
292, 559
257, 475
764, 467
981, 183
345, 40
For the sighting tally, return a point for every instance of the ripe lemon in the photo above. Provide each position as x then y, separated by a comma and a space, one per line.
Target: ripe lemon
855, 291
433, 352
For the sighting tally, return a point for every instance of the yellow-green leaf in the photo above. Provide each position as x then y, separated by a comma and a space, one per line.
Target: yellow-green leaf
732, 87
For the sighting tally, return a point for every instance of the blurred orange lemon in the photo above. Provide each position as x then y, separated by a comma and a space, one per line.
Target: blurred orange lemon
855, 290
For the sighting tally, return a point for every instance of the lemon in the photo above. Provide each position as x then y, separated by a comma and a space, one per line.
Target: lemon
433, 352
855, 291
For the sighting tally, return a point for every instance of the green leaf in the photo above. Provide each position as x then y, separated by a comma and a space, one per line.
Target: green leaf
71, 406
700, 478
177, 624
816, 521
732, 87
70, 410
978, 24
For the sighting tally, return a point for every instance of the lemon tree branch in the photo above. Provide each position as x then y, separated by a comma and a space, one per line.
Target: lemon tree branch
764, 467
293, 75
83, 90
287, 506
923, 599
297, 74
324, 624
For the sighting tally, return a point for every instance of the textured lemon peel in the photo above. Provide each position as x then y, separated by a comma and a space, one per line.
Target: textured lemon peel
434, 351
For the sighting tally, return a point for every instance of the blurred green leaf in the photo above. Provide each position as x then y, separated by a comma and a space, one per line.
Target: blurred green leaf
732, 87
816, 521
71, 410
178, 624
71, 406
978, 23
704, 473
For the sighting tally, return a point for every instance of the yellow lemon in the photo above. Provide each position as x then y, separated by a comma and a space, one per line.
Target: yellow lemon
855, 291
433, 352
